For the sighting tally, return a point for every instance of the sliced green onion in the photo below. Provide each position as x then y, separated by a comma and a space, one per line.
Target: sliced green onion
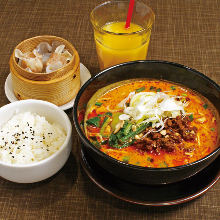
184, 94
149, 159
163, 164
125, 159
173, 87
191, 117
205, 106
158, 90
152, 88
140, 89
212, 129
98, 104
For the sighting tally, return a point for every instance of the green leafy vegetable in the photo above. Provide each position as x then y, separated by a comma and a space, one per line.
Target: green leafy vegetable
126, 144
133, 133
125, 136
184, 94
127, 129
113, 140
173, 87
205, 106
108, 113
124, 130
212, 129
98, 103
191, 117
95, 121
104, 142
120, 134
140, 89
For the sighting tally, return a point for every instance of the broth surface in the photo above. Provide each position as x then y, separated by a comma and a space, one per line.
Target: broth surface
177, 137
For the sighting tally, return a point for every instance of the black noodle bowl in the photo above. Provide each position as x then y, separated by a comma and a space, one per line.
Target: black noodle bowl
161, 70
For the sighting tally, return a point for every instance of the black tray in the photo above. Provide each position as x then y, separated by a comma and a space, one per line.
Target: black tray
150, 195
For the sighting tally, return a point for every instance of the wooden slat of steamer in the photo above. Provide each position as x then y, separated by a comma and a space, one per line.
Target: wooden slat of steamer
58, 91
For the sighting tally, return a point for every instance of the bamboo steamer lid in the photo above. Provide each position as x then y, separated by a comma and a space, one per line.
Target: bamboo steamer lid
58, 87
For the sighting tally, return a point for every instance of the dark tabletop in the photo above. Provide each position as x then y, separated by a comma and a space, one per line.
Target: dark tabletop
185, 31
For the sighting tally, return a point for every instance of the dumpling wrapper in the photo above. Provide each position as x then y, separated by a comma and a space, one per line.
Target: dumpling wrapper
44, 58
30, 61
58, 59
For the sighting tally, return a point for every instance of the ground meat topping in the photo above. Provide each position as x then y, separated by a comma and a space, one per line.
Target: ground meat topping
175, 131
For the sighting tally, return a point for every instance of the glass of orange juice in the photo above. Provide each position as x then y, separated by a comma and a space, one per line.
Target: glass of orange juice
116, 44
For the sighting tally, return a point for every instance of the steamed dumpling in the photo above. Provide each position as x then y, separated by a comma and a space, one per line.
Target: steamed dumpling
44, 58
45, 50
31, 61
58, 59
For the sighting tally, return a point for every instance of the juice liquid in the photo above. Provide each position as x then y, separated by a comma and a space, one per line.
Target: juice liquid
121, 45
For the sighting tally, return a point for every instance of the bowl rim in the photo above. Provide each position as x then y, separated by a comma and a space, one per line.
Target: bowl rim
62, 147
136, 167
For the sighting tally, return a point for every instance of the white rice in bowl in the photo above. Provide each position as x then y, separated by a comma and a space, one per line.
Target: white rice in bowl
27, 138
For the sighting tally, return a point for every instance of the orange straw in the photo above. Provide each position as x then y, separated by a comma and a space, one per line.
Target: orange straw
129, 15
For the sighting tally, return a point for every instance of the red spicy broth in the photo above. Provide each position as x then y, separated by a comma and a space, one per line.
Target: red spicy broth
151, 123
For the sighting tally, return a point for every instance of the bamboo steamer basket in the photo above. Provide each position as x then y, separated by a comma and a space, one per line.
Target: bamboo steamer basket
58, 87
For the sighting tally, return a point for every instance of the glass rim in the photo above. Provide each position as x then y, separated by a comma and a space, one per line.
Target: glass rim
95, 26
